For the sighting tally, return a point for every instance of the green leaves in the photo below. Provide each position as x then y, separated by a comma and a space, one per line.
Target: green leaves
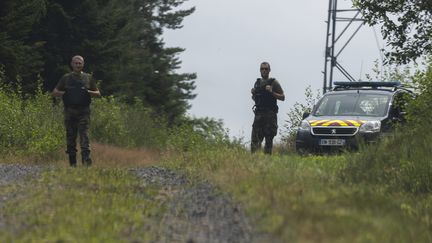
406, 26
295, 115
29, 126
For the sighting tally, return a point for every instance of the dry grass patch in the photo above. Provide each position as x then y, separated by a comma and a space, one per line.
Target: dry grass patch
103, 155
108, 155
11, 158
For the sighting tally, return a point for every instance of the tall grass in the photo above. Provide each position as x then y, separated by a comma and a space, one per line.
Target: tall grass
305, 199
81, 205
402, 162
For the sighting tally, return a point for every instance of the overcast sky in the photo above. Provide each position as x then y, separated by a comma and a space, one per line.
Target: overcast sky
226, 40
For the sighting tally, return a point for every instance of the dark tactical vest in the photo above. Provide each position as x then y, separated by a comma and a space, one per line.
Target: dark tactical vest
76, 94
264, 100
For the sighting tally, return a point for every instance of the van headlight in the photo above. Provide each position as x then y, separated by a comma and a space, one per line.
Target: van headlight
370, 127
304, 126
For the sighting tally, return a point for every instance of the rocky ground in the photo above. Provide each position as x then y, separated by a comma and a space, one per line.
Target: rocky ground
14, 173
198, 212
10, 173
195, 212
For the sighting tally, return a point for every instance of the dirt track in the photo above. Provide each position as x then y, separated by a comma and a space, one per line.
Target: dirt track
196, 212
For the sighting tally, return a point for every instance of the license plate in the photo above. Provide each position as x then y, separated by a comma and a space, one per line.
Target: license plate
332, 142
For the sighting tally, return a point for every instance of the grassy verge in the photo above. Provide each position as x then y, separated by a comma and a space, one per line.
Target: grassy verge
84, 205
295, 199
304, 199
99, 204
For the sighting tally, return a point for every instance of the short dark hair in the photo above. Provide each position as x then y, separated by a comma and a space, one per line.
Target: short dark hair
265, 63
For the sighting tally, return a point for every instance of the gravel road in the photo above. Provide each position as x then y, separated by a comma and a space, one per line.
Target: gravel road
10, 173
195, 212
198, 212
14, 173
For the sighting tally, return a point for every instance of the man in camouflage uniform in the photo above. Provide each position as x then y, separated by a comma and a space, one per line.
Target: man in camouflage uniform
265, 93
76, 88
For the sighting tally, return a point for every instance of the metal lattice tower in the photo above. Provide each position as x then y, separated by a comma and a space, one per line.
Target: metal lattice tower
332, 38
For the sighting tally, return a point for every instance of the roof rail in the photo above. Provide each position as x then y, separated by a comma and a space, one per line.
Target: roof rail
369, 84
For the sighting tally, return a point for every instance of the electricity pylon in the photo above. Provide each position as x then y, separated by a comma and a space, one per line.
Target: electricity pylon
332, 38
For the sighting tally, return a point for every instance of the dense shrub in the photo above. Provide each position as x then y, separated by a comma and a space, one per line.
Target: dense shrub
131, 125
30, 125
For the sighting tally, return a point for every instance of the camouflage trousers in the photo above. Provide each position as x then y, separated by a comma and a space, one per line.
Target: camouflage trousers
77, 121
264, 127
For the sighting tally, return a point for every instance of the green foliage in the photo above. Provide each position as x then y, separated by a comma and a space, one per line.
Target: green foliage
120, 40
29, 126
211, 129
295, 115
405, 25
193, 138
134, 125
404, 74
419, 111
130, 125
20, 54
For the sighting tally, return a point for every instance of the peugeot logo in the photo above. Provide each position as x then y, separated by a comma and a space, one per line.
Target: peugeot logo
333, 131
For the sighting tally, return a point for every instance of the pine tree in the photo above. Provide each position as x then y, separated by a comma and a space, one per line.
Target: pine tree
121, 41
19, 52
149, 72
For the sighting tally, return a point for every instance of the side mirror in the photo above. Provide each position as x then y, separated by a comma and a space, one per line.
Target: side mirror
306, 114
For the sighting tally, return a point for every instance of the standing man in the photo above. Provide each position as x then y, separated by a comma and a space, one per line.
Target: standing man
265, 93
77, 88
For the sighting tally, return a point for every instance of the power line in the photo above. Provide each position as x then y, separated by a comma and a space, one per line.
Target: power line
380, 51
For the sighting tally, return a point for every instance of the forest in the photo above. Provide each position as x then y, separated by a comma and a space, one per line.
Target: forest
121, 42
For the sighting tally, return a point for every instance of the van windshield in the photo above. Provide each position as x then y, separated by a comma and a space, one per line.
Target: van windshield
353, 104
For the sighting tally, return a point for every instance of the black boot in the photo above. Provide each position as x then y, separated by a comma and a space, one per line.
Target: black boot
72, 160
86, 160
